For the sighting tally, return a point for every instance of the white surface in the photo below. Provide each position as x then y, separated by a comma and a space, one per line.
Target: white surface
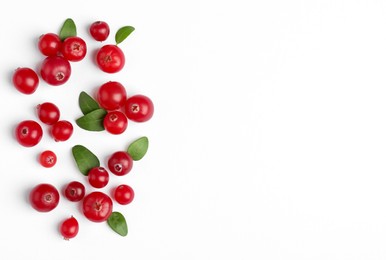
268, 139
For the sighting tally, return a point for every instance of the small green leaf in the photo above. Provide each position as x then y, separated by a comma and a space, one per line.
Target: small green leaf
92, 121
86, 103
123, 33
68, 29
138, 148
117, 222
84, 158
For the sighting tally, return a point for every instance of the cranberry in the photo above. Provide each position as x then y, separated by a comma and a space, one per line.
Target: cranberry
110, 58
28, 133
74, 48
69, 228
25, 80
123, 194
55, 70
99, 30
62, 130
47, 158
139, 108
49, 44
98, 177
48, 113
97, 206
111, 95
44, 197
115, 122
120, 163
74, 191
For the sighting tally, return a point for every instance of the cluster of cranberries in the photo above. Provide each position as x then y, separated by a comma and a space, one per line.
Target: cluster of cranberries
112, 97
55, 70
29, 132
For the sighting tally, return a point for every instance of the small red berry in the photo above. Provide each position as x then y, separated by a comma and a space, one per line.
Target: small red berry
111, 95
110, 58
97, 206
55, 70
74, 191
69, 228
49, 44
115, 122
62, 130
139, 108
28, 133
48, 113
120, 163
44, 197
74, 48
123, 194
98, 177
25, 80
99, 30
47, 158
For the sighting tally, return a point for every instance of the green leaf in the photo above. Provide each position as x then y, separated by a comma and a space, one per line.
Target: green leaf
117, 222
92, 121
123, 33
68, 29
84, 158
86, 103
138, 148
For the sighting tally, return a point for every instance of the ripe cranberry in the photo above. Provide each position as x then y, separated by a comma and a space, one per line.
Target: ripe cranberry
97, 206
139, 108
62, 130
111, 95
25, 80
47, 159
98, 177
49, 44
74, 191
44, 197
115, 122
120, 163
123, 194
69, 228
28, 133
110, 58
74, 48
55, 70
48, 113
99, 30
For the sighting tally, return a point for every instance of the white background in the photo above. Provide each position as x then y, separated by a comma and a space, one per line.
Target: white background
268, 139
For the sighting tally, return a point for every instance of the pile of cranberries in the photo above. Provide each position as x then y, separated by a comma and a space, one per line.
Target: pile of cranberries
60, 50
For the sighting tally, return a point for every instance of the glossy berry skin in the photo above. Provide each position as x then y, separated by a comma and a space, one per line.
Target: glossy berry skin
28, 133
115, 122
110, 58
123, 194
62, 130
44, 197
97, 206
74, 191
99, 30
120, 163
111, 95
47, 159
48, 113
98, 177
74, 48
49, 44
55, 70
25, 80
139, 108
69, 228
